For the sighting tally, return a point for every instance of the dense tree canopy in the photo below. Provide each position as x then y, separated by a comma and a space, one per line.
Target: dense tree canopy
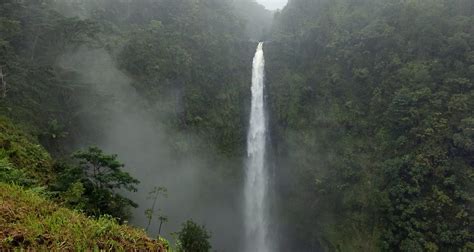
370, 102
371, 107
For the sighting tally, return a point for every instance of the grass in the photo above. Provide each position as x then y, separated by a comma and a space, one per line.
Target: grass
24, 152
31, 222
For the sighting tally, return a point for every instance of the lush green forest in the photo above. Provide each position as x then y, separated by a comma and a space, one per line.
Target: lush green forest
371, 107
84, 73
372, 118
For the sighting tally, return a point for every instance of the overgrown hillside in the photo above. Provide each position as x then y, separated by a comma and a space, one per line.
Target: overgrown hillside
29, 221
22, 159
371, 108
372, 116
162, 83
196, 51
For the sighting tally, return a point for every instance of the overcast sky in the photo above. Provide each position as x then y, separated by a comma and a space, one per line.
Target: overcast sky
273, 4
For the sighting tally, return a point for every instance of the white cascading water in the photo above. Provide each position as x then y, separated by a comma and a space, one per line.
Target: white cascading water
256, 183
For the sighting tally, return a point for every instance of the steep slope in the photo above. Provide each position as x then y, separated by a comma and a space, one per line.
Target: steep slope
372, 112
21, 156
29, 221
187, 64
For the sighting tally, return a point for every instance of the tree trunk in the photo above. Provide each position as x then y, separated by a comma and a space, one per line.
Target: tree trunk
159, 229
3, 83
33, 49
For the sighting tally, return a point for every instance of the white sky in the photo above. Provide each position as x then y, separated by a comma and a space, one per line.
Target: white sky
273, 4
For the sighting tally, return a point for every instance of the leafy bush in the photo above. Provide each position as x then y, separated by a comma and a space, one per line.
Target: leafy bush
8, 174
21, 157
91, 184
193, 238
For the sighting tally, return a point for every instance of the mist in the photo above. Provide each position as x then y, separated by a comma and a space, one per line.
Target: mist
322, 126
273, 4
157, 155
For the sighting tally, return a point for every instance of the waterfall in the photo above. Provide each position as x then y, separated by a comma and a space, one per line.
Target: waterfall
256, 183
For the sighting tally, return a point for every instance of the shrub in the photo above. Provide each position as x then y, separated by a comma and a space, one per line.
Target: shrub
193, 238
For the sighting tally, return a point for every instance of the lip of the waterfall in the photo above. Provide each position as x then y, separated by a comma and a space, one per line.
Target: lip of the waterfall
261, 41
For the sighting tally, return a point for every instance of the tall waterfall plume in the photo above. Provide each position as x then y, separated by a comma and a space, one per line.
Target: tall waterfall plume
256, 183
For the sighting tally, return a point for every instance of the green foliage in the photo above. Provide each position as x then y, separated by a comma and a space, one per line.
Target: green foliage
31, 222
22, 158
104, 171
190, 56
371, 102
92, 184
193, 237
165, 243
9, 174
194, 54
38, 93
97, 177
152, 212
371, 107
188, 60
74, 196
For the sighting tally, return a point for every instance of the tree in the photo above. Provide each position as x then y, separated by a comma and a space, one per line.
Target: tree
101, 175
382, 128
193, 238
150, 212
3, 84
